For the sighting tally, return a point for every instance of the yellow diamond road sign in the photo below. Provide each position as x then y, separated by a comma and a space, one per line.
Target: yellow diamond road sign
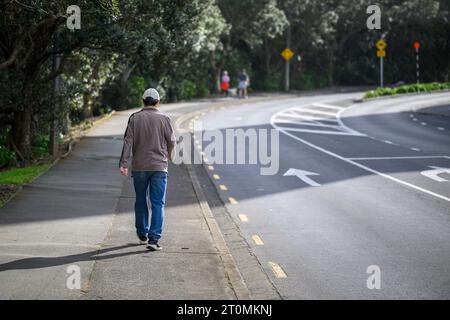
287, 54
381, 44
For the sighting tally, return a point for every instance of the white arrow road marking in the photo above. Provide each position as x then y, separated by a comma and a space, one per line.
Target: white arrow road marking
303, 175
435, 172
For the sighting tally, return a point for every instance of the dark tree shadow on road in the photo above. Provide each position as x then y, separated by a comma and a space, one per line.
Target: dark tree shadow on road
45, 262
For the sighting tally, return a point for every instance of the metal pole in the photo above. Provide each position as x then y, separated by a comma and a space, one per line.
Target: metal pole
417, 66
288, 63
381, 72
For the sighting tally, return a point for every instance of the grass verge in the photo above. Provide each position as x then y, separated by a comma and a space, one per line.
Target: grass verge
12, 179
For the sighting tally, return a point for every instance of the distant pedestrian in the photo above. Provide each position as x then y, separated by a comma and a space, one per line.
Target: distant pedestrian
225, 83
244, 82
150, 140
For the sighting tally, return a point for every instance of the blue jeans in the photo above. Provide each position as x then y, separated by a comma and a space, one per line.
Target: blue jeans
149, 185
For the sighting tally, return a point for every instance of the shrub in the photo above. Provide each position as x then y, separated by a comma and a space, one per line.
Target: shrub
7, 157
202, 90
40, 146
411, 88
187, 90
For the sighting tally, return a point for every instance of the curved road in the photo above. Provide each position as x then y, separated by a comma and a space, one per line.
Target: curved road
360, 187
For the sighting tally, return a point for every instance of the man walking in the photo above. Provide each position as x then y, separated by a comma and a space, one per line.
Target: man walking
150, 139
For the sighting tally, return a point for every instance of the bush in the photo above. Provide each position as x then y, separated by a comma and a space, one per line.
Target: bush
271, 82
137, 87
7, 157
411, 88
40, 146
187, 90
202, 90
308, 80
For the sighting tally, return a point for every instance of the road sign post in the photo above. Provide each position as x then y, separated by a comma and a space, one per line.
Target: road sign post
287, 54
381, 53
381, 73
417, 47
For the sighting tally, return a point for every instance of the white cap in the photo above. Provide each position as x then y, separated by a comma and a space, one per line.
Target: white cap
152, 93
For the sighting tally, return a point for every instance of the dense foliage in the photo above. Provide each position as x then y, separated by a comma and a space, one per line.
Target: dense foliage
181, 47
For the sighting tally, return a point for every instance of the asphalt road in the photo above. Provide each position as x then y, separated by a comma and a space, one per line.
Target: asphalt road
377, 193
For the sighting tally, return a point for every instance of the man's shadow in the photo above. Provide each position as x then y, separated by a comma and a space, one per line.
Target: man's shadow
45, 262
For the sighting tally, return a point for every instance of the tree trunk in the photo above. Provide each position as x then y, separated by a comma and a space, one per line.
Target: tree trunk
87, 106
21, 133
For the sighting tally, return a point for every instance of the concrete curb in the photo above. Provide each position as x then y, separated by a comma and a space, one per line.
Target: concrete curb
234, 276
103, 119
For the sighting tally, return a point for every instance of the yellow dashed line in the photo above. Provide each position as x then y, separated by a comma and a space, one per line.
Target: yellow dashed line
258, 241
210, 168
216, 177
223, 187
232, 200
243, 217
277, 270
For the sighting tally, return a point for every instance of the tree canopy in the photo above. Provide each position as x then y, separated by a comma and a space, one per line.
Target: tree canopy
50, 73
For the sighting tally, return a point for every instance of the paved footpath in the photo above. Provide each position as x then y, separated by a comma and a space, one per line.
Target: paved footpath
80, 213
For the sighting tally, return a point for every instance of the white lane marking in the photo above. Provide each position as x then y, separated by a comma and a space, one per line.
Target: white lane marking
306, 116
388, 142
435, 172
312, 124
415, 149
441, 129
384, 175
398, 158
415, 119
296, 116
329, 106
423, 123
354, 132
313, 111
338, 133
303, 175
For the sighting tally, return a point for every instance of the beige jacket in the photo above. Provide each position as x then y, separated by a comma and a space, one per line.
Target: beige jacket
149, 139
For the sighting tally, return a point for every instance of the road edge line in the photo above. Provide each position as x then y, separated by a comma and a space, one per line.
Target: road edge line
234, 276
